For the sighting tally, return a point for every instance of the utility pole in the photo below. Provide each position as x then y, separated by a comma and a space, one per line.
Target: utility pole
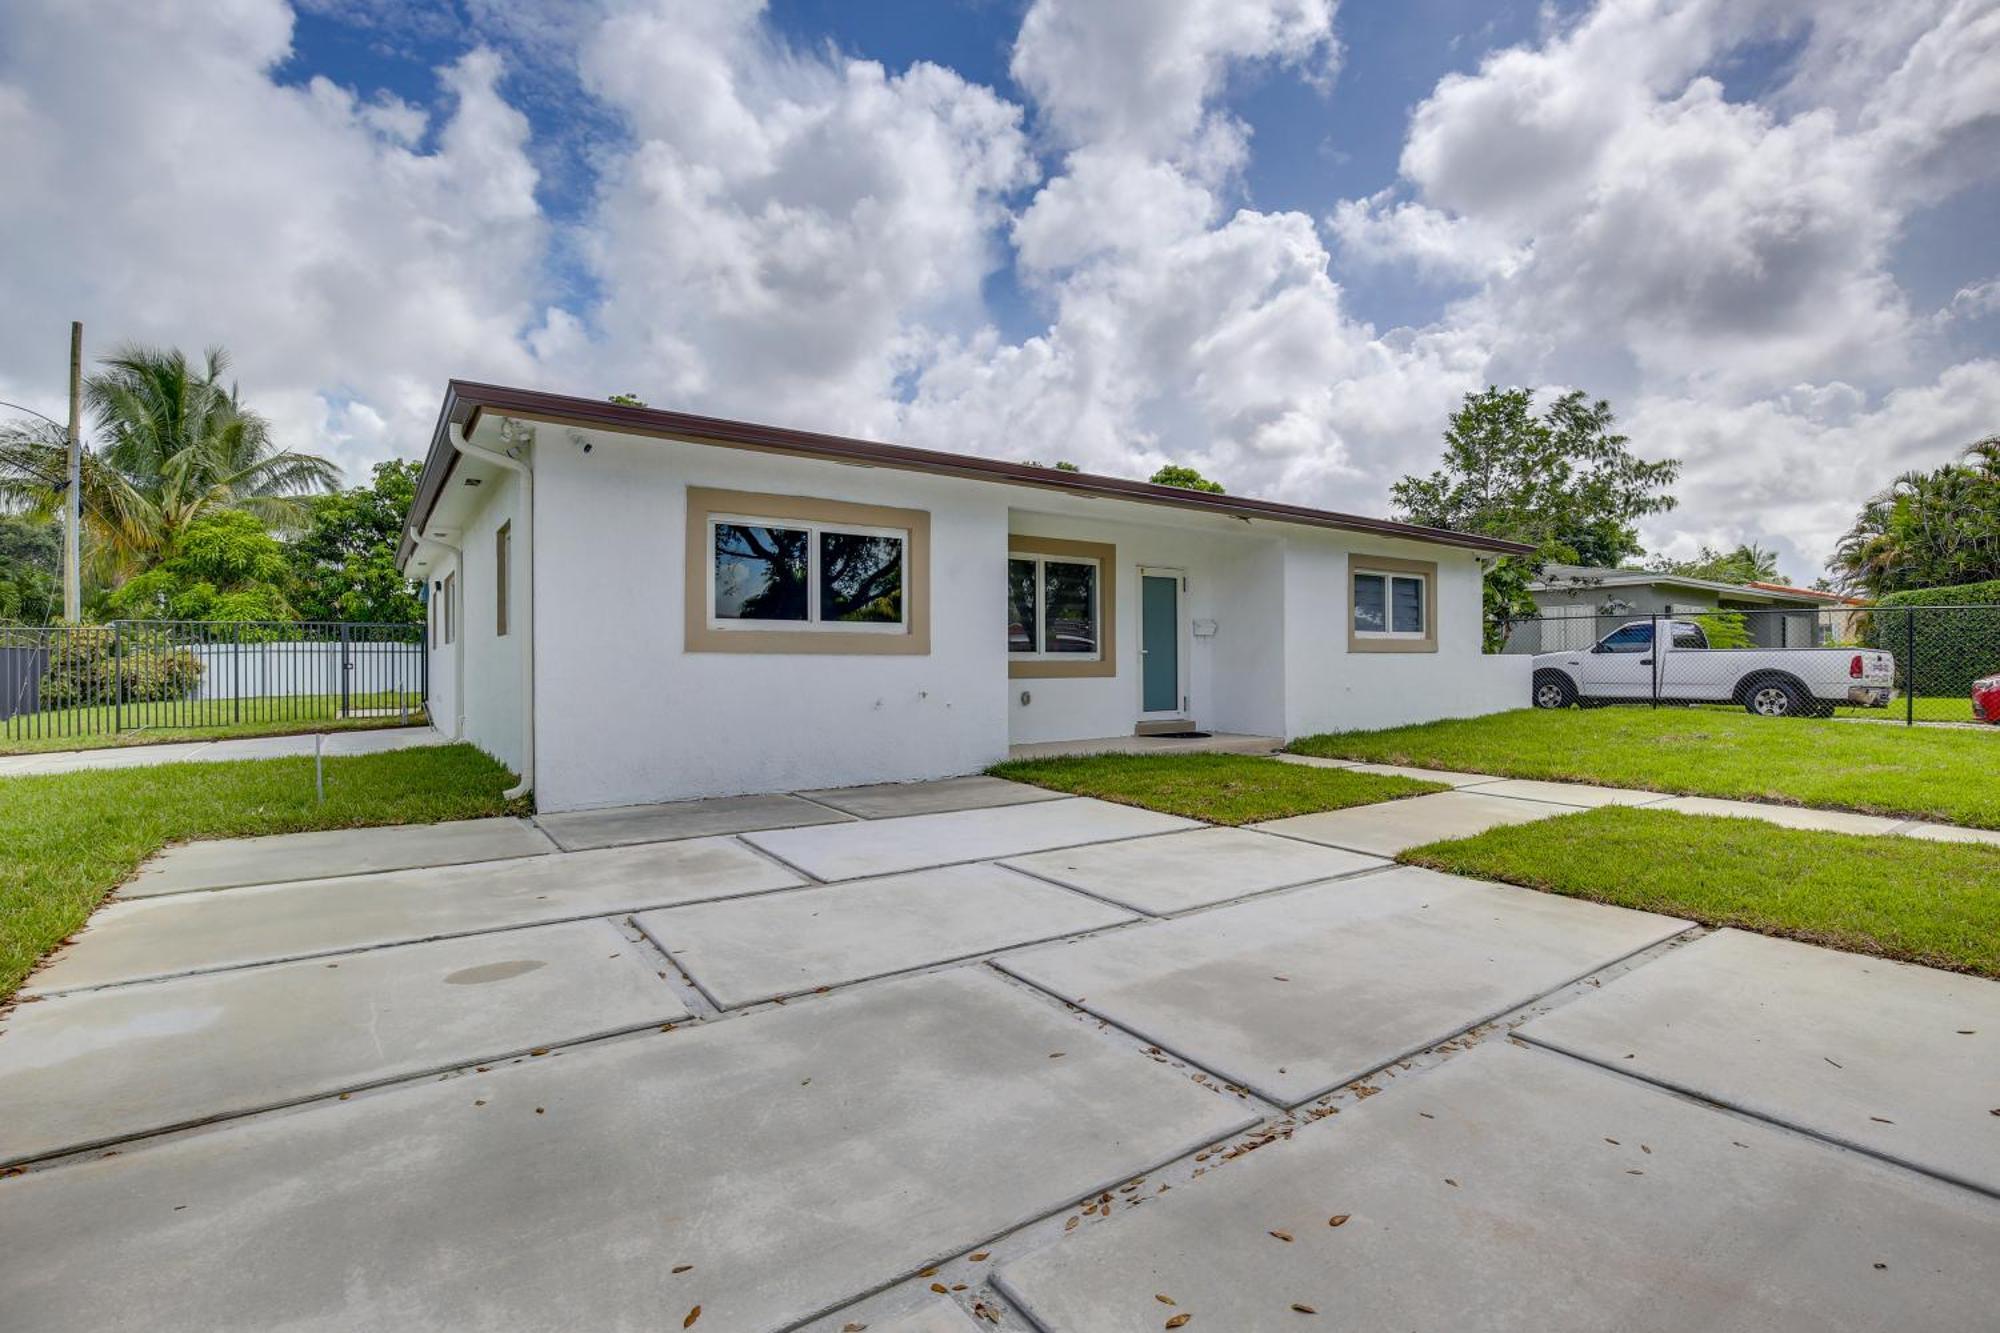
73, 494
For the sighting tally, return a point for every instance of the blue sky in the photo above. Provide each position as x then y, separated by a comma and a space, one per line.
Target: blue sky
1276, 239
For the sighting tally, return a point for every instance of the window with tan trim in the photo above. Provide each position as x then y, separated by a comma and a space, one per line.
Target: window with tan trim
793, 574
1391, 605
1061, 604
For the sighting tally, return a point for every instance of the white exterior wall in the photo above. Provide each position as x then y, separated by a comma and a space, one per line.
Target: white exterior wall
444, 688
1235, 677
625, 715
1331, 689
486, 666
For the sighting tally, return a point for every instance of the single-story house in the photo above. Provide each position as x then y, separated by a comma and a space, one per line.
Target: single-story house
1580, 604
631, 605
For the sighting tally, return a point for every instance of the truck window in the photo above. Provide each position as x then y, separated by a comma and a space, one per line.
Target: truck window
1630, 639
1689, 636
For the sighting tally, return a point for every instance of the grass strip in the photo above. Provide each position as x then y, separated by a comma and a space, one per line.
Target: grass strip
1935, 903
1218, 788
70, 838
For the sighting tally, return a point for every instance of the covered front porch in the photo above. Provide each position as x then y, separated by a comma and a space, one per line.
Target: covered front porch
1125, 633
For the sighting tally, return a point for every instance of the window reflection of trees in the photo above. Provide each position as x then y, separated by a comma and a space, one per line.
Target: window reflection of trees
760, 573
1071, 603
1021, 606
860, 578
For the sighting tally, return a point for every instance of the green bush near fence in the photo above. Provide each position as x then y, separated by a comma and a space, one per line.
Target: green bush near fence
88, 666
1951, 649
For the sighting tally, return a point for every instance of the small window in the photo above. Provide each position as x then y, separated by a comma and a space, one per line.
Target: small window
768, 574
450, 590
1689, 636
1390, 606
1629, 639
1052, 608
503, 580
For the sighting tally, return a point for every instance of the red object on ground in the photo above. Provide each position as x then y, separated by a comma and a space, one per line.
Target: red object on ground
1986, 699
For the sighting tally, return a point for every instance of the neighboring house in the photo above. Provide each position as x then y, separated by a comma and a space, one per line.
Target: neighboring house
1841, 615
1580, 604
635, 605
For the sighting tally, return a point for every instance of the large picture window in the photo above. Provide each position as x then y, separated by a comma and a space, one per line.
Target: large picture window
804, 575
793, 574
1053, 608
1391, 606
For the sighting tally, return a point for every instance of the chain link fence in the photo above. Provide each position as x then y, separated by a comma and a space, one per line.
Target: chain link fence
81, 681
1909, 664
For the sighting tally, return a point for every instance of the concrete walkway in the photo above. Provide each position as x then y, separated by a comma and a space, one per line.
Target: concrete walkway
366, 741
962, 1055
1533, 799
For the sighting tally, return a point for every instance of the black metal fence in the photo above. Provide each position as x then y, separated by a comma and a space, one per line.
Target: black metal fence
1907, 664
196, 676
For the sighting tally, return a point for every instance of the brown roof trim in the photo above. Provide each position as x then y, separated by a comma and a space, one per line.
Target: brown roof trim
464, 401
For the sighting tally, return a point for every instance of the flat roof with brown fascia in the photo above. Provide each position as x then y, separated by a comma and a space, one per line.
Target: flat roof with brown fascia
465, 401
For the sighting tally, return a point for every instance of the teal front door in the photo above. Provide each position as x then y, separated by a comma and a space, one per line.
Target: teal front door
1160, 642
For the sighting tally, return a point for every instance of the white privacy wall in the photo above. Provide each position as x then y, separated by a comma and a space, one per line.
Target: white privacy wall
1235, 676
625, 715
1330, 689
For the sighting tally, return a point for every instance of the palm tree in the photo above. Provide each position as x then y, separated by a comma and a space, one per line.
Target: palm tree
1928, 529
175, 444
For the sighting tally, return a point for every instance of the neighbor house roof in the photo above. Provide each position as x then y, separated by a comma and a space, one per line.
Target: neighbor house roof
465, 401
1570, 578
1817, 594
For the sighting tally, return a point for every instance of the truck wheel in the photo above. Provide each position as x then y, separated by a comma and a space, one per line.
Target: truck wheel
1553, 690
1774, 698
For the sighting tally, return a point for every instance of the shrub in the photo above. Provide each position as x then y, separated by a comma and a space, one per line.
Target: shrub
89, 665
1952, 648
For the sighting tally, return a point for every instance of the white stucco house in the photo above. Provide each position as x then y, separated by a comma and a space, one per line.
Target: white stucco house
632, 605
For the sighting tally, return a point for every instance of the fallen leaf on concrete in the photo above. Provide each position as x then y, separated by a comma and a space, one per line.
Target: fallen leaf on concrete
1303, 1308
682, 1268
1177, 1321
1164, 1300
980, 1256
1285, 1236
1338, 1219
693, 1315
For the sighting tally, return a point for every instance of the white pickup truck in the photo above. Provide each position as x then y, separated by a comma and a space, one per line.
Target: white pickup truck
1771, 682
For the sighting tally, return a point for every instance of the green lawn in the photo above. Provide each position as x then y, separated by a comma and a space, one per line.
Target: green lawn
1220, 788
1931, 772
1935, 903
69, 838
103, 726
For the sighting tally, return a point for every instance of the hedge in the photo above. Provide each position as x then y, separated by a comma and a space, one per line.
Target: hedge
1953, 647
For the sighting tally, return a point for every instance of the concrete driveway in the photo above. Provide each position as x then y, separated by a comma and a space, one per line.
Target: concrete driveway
967, 1055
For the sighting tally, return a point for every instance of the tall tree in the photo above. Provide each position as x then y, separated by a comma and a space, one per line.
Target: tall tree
343, 564
1748, 563
1178, 474
1931, 529
1561, 480
174, 444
